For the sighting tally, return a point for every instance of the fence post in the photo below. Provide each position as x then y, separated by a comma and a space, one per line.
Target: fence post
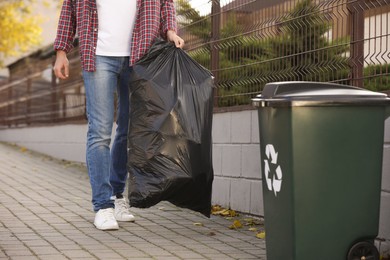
10, 96
28, 101
215, 35
356, 9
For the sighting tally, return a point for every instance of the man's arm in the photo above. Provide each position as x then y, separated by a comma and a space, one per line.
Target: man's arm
66, 29
173, 37
169, 24
63, 43
61, 65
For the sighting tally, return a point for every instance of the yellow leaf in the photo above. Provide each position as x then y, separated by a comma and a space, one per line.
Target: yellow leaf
218, 210
198, 224
233, 213
236, 224
215, 208
223, 212
253, 229
23, 149
260, 235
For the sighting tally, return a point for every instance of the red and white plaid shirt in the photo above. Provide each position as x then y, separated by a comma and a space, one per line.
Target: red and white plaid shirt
154, 18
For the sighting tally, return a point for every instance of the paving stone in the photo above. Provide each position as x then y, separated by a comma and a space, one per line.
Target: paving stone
46, 213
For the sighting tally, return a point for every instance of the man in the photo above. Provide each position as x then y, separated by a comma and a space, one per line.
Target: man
113, 35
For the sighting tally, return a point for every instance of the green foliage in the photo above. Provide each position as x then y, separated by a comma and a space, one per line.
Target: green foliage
307, 53
377, 77
191, 20
242, 71
298, 50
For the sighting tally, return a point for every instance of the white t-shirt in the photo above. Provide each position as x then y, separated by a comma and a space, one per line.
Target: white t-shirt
116, 22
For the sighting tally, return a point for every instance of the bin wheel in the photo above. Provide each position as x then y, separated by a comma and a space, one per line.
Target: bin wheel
363, 251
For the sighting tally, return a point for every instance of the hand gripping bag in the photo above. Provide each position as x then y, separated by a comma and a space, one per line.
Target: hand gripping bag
169, 140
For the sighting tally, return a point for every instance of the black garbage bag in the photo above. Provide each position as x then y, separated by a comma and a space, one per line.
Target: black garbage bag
169, 141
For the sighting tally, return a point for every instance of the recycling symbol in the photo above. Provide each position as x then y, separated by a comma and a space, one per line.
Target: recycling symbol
273, 172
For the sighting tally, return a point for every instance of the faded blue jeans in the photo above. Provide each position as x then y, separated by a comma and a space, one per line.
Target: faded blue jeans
107, 168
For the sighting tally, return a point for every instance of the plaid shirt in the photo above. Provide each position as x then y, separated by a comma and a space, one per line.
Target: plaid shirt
154, 18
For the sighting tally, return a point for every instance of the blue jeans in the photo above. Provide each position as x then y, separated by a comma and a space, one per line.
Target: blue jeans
107, 167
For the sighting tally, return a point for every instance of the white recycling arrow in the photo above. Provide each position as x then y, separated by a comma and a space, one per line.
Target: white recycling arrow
270, 151
274, 182
277, 180
266, 173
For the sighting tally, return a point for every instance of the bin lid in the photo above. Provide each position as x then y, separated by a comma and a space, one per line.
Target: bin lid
305, 93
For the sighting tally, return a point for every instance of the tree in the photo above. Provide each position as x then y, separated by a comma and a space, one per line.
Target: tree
239, 67
377, 77
190, 20
19, 29
298, 49
302, 51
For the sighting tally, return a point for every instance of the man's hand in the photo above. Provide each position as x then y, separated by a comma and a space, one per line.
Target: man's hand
173, 37
61, 66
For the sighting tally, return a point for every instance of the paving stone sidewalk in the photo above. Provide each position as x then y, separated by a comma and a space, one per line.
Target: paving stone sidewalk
46, 213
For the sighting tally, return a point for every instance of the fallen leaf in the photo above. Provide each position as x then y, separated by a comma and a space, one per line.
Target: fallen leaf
217, 210
236, 224
252, 222
211, 234
253, 229
198, 224
261, 235
23, 149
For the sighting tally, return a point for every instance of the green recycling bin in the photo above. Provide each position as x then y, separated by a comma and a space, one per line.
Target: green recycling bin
321, 155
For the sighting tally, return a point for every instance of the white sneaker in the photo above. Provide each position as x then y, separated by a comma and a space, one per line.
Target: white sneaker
122, 211
105, 220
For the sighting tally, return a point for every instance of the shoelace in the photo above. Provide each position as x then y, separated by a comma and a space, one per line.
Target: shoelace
121, 207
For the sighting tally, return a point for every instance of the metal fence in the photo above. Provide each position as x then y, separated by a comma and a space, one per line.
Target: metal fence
245, 43
32, 95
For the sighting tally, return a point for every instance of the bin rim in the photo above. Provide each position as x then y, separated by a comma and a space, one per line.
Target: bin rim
306, 93
259, 102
